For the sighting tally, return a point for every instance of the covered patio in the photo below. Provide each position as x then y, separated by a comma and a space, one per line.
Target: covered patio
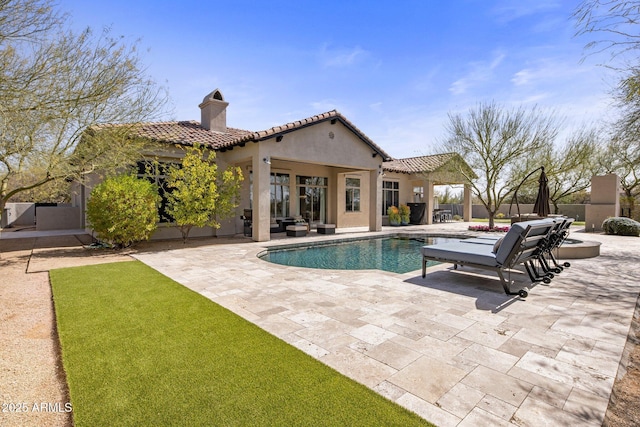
322, 170
423, 173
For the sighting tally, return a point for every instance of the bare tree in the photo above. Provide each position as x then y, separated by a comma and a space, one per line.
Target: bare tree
493, 141
623, 159
27, 19
569, 167
615, 25
54, 85
612, 22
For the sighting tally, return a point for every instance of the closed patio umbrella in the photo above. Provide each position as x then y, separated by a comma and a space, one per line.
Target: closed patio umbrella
541, 206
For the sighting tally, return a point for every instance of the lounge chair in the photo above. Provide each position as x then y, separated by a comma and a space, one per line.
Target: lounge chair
548, 266
523, 242
547, 263
556, 239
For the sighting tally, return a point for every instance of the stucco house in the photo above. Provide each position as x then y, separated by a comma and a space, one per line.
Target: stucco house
322, 168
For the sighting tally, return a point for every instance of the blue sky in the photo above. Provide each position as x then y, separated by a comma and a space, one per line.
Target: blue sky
395, 69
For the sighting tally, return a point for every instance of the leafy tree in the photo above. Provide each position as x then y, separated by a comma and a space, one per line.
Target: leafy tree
577, 198
123, 210
622, 156
54, 85
623, 159
569, 168
52, 192
199, 195
614, 24
447, 196
493, 141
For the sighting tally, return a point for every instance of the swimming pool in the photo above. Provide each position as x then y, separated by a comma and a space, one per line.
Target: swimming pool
394, 254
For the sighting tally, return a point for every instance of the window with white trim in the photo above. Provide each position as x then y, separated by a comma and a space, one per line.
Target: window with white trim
280, 195
390, 195
352, 194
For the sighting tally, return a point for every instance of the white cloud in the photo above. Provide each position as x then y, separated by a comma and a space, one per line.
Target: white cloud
548, 70
535, 98
522, 77
427, 81
509, 10
481, 71
341, 57
376, 106
323, 105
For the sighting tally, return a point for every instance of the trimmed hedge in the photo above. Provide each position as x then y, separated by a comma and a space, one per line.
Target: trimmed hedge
621, 226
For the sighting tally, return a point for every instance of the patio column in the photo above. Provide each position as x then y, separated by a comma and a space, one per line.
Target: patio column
429, 194
375, 200
467, 207
261, 222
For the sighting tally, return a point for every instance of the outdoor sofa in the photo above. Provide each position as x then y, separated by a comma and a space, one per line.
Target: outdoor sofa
524, 243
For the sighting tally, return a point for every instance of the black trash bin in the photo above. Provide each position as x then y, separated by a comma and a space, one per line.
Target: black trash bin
417, 212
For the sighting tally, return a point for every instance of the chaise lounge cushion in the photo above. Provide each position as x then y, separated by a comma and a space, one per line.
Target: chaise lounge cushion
517, 232
496, 245
462, 252
481, 253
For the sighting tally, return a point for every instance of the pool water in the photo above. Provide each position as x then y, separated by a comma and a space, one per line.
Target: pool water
397, 255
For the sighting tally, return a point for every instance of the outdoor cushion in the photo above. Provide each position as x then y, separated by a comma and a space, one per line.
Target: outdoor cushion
523, 242
517, 232
326, 228
481, 241
497, 244
462, 252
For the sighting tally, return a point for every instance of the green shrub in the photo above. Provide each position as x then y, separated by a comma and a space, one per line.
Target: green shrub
394, 215
123, 210
621, 226
405, 214
201, 194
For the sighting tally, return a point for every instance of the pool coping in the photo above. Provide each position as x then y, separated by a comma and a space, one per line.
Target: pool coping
337, 240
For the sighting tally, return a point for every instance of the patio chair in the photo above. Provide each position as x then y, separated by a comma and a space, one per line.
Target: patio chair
557, 239
522, 243
547, 263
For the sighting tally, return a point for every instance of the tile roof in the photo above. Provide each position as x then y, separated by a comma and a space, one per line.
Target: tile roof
190, 132
419, 164
186, 133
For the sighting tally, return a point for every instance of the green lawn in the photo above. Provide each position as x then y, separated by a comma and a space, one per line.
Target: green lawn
140, 349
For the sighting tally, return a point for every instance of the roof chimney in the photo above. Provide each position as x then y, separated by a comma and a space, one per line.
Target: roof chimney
213, 112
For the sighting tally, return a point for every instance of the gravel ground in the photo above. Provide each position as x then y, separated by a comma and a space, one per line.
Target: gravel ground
32, 384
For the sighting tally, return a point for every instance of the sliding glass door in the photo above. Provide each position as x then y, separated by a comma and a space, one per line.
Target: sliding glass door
279, 196
312, 199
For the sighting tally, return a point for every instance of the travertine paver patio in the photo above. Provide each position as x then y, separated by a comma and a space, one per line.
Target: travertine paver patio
452, 347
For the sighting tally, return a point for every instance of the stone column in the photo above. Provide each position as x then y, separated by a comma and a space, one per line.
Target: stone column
429, 193
467, 207
605, 201
375, 200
